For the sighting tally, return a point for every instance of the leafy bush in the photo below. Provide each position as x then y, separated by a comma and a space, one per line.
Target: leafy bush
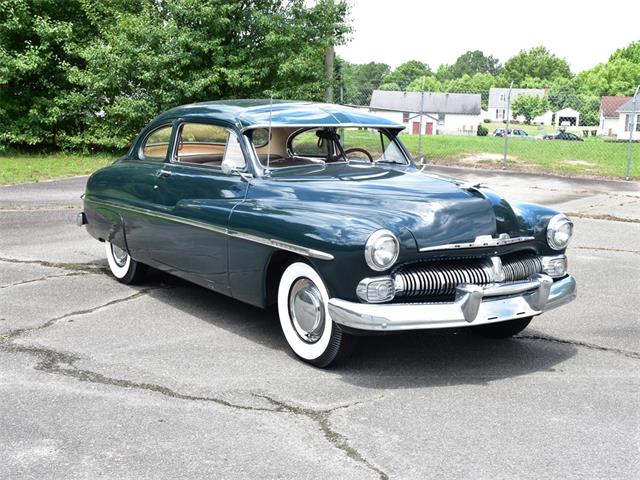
487, 120
482, 131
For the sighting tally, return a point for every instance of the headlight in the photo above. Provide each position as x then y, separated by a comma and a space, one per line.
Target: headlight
381, 250
559, 232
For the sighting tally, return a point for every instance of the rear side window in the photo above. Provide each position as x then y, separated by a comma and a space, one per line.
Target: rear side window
308, 144
156, 145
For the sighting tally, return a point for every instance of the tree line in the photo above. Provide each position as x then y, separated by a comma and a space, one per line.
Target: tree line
475, 72
89, 74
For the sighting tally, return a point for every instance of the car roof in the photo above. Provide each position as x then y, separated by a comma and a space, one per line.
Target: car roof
247, 114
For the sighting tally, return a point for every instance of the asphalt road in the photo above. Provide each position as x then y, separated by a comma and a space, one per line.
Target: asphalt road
169, 380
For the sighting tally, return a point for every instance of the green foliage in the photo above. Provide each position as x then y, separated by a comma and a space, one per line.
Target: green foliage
470, 63
407, 73
391, 86
425, 84
537, 63
93, 72
482, 131
529, 106
359, 80
619, 76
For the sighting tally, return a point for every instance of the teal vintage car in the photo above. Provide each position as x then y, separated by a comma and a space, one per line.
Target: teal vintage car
320, 211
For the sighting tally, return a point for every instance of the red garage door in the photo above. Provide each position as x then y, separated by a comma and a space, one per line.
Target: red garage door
415, 128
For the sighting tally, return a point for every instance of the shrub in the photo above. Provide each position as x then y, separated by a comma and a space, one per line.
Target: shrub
482, 131
487, 120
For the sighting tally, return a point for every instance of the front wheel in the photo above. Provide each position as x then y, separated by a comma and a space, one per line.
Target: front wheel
122, 266
304, 316
503, 329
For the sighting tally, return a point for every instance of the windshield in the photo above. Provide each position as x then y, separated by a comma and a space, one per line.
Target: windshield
294, 146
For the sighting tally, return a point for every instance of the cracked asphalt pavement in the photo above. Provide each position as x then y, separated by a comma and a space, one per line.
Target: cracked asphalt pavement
169, 380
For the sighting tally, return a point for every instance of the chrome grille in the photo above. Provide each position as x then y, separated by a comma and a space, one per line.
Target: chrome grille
440, 278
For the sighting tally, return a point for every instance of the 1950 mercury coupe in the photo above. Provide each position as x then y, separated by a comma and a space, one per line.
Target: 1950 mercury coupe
320, 211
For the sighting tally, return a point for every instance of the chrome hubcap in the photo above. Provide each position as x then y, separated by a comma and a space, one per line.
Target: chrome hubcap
306, 310
119, 255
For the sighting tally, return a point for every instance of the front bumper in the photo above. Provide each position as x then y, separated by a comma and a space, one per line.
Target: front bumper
474, 305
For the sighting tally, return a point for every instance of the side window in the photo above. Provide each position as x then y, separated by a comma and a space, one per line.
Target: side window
208, 145
307, 144
156, 145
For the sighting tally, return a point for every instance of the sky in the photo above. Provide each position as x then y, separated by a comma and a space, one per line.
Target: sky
584, 33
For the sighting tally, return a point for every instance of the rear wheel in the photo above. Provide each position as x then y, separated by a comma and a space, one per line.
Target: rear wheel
304, 316
123, 267
503, 329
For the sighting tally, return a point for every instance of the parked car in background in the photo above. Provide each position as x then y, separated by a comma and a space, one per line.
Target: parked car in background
563, 136
515, 132
319, 211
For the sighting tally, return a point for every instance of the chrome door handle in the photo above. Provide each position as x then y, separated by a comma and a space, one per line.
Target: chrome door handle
163, 173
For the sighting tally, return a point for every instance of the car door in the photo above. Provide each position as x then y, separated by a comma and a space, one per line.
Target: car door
195, 199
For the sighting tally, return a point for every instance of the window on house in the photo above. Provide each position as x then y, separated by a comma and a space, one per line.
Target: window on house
502, 97
405, 117
441, 119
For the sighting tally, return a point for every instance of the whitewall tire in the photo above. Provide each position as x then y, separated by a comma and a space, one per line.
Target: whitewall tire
304, 316
122, 266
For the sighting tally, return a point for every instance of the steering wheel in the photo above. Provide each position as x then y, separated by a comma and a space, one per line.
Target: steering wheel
359, 150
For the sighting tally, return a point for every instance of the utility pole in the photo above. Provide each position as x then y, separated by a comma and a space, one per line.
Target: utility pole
632, 127
329, 56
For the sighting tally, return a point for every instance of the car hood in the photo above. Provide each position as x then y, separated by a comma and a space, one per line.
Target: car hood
436, 210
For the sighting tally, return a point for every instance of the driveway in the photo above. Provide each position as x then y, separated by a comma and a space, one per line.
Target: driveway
169, 380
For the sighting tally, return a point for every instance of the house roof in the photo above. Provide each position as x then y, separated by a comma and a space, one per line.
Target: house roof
261, 113
496, 95
568, 112
609, 105
628, 106
411, 102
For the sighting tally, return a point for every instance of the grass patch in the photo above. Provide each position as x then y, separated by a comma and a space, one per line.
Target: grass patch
21, 168
593, 157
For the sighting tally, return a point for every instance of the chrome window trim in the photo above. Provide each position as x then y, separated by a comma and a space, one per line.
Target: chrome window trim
320, 125
481, 241
143, 143
272, 242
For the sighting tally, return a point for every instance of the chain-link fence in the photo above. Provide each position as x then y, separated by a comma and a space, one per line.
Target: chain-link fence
527, 129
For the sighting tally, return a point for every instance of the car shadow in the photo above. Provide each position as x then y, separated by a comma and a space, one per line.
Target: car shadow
395, 361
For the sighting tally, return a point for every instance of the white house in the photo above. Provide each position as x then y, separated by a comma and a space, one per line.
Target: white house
609, 115
498, 100
625, 120
567, 117
442, 113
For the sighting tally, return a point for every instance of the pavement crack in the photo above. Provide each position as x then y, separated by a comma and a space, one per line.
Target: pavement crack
74, 267
605, 249
14, 334
578, 343
42, 279
335, 438
602, 216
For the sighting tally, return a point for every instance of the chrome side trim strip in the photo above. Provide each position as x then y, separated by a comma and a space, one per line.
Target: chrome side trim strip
480, 242
272, 242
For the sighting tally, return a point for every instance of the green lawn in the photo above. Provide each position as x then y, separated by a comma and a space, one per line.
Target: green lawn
20, 168
593, 157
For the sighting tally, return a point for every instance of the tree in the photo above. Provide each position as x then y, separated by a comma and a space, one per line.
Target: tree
425, 84
470, 63
537, 63
407, 73
529, 106
359, 81
391, 86
94, 72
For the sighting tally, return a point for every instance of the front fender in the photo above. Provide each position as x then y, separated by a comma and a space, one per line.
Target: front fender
338, 231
